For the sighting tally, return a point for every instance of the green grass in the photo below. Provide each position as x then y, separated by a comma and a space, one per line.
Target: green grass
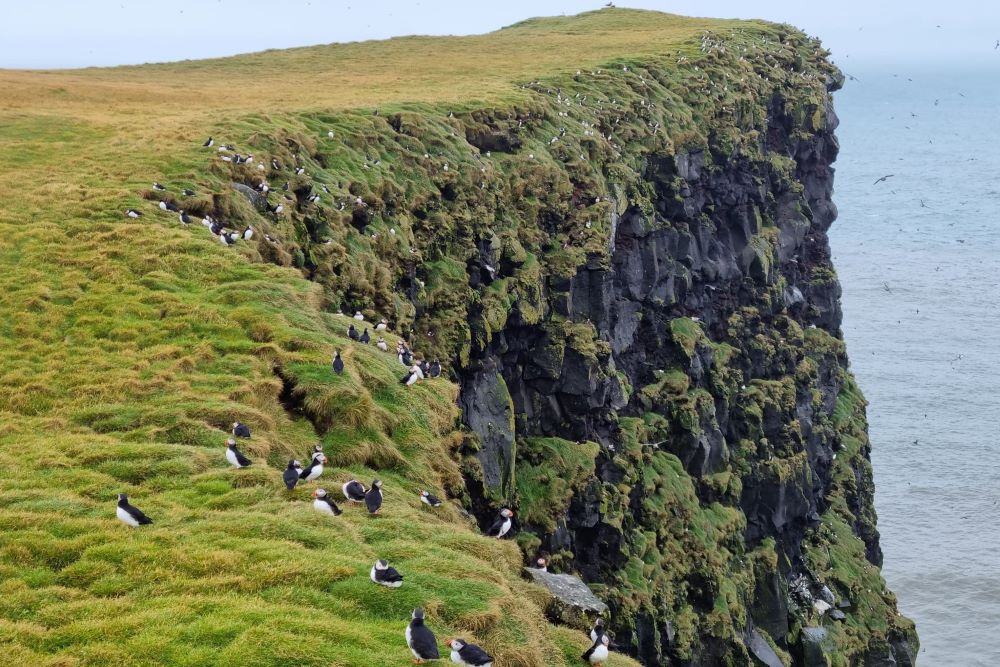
129, 346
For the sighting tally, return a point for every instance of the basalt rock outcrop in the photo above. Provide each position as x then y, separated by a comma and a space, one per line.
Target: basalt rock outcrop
628, 269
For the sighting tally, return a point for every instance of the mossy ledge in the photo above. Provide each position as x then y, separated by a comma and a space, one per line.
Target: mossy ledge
625, 264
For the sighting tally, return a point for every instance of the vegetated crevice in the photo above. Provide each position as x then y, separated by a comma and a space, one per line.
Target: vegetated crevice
292, 399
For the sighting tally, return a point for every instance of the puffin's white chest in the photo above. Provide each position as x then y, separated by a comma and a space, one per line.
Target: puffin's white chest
504, 527
127, 518
316, 471
231, 457
455, 657
600, 654
322, 506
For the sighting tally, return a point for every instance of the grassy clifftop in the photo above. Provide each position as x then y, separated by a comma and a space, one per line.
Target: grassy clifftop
128, 346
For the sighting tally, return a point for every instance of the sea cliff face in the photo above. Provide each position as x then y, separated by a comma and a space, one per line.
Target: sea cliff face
627, 270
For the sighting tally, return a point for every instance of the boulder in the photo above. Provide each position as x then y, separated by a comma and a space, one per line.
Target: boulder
572, 602
256, 199
761, 651
815, 647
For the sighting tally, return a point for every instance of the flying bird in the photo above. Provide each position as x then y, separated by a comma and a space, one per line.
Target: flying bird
883, 179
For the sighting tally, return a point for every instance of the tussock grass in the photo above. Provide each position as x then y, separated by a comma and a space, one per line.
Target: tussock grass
128, 347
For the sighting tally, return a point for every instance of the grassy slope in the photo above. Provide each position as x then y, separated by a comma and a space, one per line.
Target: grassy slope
126, 346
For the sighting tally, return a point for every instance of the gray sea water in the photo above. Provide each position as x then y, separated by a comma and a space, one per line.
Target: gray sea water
919, 261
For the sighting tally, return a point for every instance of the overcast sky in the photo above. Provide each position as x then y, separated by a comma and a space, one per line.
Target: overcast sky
79, 33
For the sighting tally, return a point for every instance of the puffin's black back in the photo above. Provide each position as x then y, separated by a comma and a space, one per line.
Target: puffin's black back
373, 499
472, 654
423, 641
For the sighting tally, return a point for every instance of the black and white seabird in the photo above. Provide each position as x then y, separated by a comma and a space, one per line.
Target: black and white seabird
542, 564
324, 503
598, 653
365, 338
216, 227
373, 499
315, 468
168, 206
597, 630
358, 316
354, 491
386, 575
419, 638
429, 499
299, 171
235, 456
338, 363
208, 143
502, 525
248, 233
383, 325
352, 333
157, 186
469, 654
382, 345
130, 515
184, 218
241, 430
291, 475
435, 369
188, 192
132, 213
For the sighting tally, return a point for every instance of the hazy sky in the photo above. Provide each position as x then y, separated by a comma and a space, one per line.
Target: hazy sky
77, 33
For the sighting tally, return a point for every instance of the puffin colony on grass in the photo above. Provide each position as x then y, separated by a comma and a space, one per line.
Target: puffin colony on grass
419, 638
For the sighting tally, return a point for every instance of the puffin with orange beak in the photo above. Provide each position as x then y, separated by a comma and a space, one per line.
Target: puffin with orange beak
502, 525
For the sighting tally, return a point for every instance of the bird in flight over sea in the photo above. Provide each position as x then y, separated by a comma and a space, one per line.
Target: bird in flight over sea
881, 180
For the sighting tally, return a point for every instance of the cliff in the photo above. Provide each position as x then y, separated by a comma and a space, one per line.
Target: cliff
623, 265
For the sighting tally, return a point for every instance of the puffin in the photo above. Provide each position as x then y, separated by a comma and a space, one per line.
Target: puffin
502, 525
352, 333
386, 575
358, 316
382, 325
435, 369
419, 638
325, 504
184, 218
235, 456
241, 430
188, 192
315, 468
412, 376
248, 233
597, 630
365, 338
542, 564
355, 491
157, 186
469, 654
129, 515
382, 345
598, 653
132, 213
428, 499
338, 363
208, 143
291, 475
168, 206
373, 498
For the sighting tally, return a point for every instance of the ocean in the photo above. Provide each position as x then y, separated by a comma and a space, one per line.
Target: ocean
918, 257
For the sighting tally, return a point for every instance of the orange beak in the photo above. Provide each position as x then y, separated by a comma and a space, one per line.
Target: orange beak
314, 494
